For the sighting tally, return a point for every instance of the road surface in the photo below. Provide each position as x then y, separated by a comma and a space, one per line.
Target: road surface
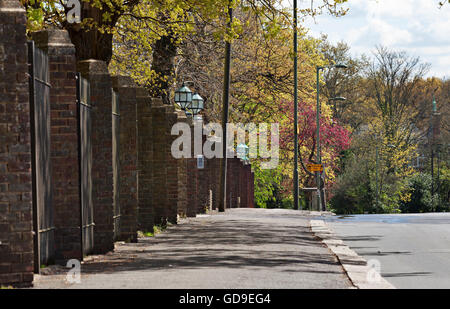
243, 248
413, 249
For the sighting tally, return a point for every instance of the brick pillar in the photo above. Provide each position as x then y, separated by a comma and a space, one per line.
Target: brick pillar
244, 185
202, 182
192, 177
215, 181
128, 197
16, 241
252, 190
233, 182
182, 176
159, 162
171, 167
96, 72
192, 187
208, 186
64, 141
145, 155
202, 190
248, 174
228, 183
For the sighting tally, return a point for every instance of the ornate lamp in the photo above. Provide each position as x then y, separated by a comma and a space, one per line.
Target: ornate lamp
242, 151
196, 105
183, 97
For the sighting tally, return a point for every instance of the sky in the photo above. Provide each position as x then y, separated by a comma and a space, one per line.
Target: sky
418, 27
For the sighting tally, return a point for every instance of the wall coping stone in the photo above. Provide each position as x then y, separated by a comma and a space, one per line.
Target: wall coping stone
11, 6
123, 81
93, 67
52, 37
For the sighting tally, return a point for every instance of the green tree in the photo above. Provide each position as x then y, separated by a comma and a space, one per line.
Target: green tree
421, 199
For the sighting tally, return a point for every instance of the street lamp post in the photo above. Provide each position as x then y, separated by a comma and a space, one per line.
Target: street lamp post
376, 175
225, 103
318, 156
296, 186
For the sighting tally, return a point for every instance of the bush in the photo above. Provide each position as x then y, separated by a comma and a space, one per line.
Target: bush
421, 200
352, 193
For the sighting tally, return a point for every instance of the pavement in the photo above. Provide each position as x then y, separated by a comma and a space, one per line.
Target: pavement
238, 249
413, 250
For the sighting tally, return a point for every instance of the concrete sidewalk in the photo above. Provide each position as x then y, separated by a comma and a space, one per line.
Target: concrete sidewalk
241, 248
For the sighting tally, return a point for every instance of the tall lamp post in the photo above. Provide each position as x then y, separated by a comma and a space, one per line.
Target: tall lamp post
318, 156
296, 188
225, 103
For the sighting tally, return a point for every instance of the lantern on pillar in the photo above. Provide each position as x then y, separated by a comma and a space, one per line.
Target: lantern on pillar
196, 105
242, 152
183, 97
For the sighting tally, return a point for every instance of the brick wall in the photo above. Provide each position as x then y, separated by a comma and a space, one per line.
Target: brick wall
243, 186
64, 141
171, 167
128, 199
159, 163
248, 184
204, 184
214, 171
145, 156
16, 242
154, 188
233, 182
252, 190
182, 176
102, 174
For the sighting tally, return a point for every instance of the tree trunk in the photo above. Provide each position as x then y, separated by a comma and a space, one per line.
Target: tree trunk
90, 43
163, 63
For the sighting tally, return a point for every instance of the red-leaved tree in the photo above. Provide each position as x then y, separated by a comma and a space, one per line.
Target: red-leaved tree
334, 138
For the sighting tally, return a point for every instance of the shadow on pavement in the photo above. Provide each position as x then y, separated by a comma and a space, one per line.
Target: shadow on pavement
412, 274
229, 244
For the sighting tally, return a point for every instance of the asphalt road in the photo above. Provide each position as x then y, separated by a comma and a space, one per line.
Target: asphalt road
243, 248
413, 249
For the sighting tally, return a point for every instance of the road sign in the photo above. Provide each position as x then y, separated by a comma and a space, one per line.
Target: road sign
314, 167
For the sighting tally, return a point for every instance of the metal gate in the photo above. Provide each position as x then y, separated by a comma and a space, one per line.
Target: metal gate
84, 109
39, 87
116, 162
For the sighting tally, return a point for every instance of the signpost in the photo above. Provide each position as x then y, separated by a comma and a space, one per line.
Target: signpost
314, 167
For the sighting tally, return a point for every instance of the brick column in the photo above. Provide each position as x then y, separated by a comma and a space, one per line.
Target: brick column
248, 174
244, 185
229, 182
159, 162
202, 182
145, 155
208, 203
171, 167
233, 182
215, 181
96, 72
16, 241
252, 190
182, 176
128, 198
64, 141
192, 188
192, 176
